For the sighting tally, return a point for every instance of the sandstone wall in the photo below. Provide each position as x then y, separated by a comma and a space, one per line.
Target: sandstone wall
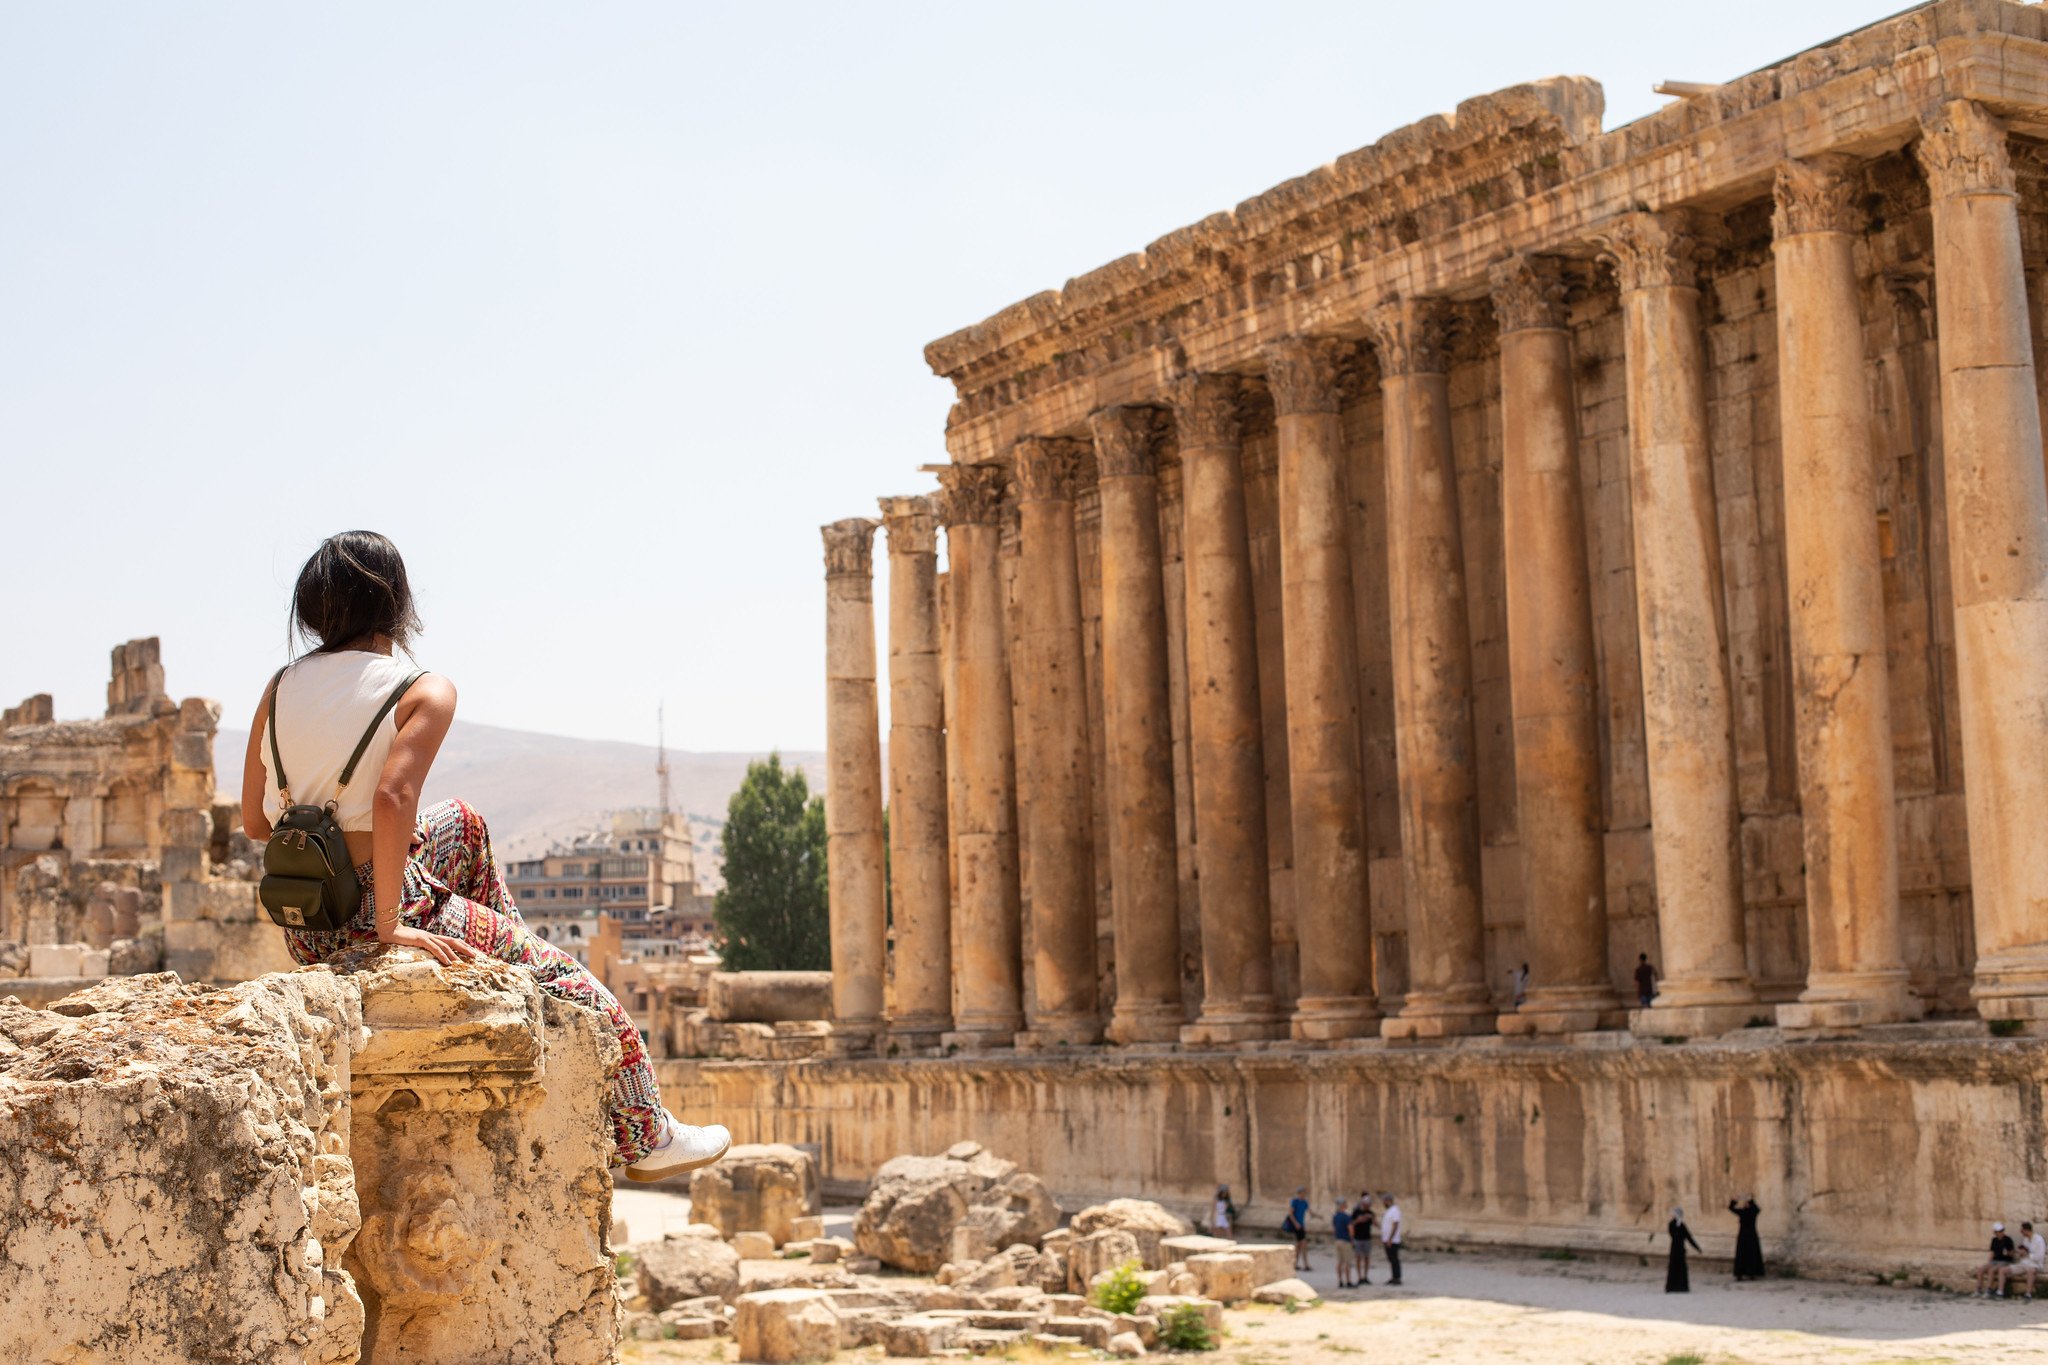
1865, 1156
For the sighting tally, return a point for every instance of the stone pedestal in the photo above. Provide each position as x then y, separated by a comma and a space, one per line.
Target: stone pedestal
1552, 664
1143, 855
920, 1002
1225, 723
1433, 744
480, 1147
853, 789
987, 971
1998, 549
1052, 750
1688, 714
1327, 795
1856, 971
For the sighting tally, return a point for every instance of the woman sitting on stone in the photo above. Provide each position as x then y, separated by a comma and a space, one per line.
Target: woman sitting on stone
429, 878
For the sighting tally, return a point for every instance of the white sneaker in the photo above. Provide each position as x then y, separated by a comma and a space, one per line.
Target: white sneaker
682, 1148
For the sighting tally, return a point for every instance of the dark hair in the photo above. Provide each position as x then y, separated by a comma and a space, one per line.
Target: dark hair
352, 588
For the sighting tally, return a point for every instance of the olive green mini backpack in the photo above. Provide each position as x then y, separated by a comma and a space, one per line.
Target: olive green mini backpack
309, 881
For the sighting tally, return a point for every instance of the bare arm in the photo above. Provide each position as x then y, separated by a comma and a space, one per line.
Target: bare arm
255, 780
423, 718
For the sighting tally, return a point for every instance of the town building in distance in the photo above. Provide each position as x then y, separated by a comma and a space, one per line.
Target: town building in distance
639, 871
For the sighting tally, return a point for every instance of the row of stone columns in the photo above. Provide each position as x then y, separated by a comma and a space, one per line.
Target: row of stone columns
1998, 503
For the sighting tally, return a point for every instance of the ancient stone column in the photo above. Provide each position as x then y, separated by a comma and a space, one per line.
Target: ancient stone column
1856, 971
1225, 724
988, 987
921, 961
1432, 644
853, 784
1052, 748
1552, 666
1688, 714
1998, 547
1143, 866
1334, 923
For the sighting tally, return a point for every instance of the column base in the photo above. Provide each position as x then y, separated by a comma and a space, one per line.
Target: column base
1072, 1030
1681, 1020
1145, 1023
976, 1033
852, 1037
1552, 1010
1460, 1012
1847, 1000
2012, 985
915, 1033
1250, 1020
1327, 1018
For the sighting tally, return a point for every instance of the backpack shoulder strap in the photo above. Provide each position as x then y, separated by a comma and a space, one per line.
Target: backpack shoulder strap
375, 721
284, 786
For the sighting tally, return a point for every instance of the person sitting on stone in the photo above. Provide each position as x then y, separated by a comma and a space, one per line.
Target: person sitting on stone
1224, 1216
430, 880
1997, 1265
2031, 1252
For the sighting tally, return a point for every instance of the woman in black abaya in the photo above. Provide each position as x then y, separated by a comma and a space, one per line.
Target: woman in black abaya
1749, 1248
1676, 1279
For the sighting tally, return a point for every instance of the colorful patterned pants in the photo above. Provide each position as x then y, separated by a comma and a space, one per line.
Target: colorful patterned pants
453, 887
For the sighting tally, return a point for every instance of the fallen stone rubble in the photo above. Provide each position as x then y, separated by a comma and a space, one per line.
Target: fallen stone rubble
806, 1295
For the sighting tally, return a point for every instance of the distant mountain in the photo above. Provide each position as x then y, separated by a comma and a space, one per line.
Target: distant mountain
536, 788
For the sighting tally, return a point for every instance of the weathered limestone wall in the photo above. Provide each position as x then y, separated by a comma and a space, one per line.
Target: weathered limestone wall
1865, 1156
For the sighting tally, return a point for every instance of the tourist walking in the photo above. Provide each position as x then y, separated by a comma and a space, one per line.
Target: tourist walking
1677, 1280
1646, 980
1991, 1275
1390, 1235
1520, 979
1361, 1237
423, 879
1296, 1223
1340, 1232
1223, 1217
1749, 1248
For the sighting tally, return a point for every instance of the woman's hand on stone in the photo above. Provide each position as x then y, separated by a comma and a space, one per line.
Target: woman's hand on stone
444, 950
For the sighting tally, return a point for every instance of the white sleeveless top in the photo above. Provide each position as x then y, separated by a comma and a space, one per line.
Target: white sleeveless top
324, 702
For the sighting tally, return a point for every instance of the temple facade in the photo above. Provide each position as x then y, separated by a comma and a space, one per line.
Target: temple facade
1399, 606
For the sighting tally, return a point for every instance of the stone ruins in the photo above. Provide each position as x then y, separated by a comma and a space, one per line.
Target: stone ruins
1511, 543
116, 854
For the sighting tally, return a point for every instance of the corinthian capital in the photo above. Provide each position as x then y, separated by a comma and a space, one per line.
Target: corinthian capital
1046, 468
1302, 374
849, 547
1651, 250
1528, 293
971, 494
1962, 151
1205, 410
913, 525
1125, 437
1816, 195
1411, 336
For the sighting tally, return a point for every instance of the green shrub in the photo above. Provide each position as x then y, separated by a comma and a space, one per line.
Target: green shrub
1121, 1291
1186, 1329
2006, 1028
622, 1264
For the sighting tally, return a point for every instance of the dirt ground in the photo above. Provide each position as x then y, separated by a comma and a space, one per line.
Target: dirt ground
1487, 1309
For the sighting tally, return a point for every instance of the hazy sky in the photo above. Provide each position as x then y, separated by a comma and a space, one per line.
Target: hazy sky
599, 310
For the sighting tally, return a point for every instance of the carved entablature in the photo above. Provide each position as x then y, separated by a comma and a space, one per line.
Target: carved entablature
1303, 374
850, 546
1963, 151
912, 523
1126, 442
1818, 194
1206, 410
1652, 250
972, 494
1411, 336
1529, 293
1048, 468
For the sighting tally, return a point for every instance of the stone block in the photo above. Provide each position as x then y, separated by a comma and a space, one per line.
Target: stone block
201, 950
1194, 1244
826, 1250
677, 1269
786, 1325
1285, 1291
920, 1335
1098, 1254
60, 960
1270, 1260
1090, 1332
691, 1326
768, 997
914, 1203
188, 828
1160, 1306
1148, 1223
1225, 1276
758, 1188
1126, 1345
807, 1227
753, 1246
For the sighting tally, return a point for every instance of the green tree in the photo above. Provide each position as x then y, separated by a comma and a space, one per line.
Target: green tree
771, 914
